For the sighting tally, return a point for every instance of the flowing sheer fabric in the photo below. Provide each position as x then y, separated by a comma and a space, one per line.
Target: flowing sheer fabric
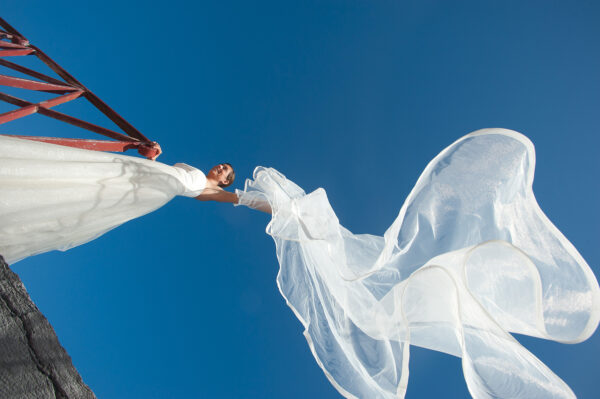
470, 258
56, 197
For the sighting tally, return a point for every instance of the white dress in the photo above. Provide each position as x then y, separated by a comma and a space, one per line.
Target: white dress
56, 197
470, 258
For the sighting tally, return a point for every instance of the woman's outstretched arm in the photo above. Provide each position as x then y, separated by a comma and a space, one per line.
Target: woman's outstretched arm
213, 194
219, 195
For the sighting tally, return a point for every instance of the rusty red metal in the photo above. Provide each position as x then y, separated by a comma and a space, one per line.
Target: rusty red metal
149, 150
29, 84
30, 72
15, 53
13, 44
33, 108
68, 119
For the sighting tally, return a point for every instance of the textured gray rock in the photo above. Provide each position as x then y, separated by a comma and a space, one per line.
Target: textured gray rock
33, 364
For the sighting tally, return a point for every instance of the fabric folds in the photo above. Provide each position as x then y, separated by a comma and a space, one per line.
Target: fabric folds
56, 197
470, 259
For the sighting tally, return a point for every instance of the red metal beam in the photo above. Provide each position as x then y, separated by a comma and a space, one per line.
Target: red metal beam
30, 72
91, 97
20, 46
96, 145
116, 118
61, 99
56, 68
14, 53
14, 38
68, 119
18, 113
29, 84
151, 150
11, 45
86, 125
33, 108
10, 29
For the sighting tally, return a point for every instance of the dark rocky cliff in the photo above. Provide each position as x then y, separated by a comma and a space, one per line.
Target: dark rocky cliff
33, 364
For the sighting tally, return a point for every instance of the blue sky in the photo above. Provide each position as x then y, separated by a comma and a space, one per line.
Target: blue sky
352, 96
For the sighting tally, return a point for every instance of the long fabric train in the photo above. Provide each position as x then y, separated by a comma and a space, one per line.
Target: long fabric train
56, 197
470, 258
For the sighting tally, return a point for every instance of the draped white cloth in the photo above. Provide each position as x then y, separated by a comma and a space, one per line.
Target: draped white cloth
56, 197
470, 258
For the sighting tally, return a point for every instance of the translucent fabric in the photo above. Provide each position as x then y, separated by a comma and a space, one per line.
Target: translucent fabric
56, 197
470, 258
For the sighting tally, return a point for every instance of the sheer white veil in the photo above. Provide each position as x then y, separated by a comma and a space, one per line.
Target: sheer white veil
470, 259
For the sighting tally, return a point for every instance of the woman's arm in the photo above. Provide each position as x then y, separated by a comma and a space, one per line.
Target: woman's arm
212, 194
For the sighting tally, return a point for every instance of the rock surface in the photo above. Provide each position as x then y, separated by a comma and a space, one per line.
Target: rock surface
33, 364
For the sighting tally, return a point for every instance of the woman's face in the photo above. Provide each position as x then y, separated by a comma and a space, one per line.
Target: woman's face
220, 172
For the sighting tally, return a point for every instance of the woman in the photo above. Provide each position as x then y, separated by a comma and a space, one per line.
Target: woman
56, 197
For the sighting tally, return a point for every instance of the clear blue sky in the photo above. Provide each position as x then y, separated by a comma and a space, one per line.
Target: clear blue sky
352, 96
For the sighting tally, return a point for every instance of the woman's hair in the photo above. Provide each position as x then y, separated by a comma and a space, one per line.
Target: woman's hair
230, 176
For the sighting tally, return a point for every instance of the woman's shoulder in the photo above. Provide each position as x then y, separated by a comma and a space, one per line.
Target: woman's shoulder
186, 167
192, 178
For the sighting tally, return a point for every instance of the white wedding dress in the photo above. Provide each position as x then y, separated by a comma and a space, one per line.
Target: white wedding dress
56, 197
469, 259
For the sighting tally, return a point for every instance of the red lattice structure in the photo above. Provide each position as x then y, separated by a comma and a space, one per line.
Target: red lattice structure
13, 44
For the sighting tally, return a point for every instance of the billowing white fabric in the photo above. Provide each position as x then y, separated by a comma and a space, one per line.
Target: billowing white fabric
56, 197
470, 258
